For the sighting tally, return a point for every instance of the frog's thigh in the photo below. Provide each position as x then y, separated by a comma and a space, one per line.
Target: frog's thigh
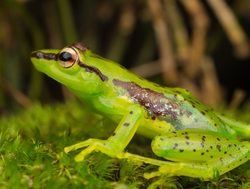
117, 142
199, 154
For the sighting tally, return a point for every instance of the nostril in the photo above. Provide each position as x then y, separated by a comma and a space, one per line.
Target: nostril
35, 54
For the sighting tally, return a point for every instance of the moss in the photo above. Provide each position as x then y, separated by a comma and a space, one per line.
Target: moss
31, 154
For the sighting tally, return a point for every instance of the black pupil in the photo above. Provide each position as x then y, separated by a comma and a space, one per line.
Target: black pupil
65, 56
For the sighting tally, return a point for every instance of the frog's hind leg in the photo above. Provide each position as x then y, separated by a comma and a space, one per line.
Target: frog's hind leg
200, 155
242, 129
170, 168
203, 170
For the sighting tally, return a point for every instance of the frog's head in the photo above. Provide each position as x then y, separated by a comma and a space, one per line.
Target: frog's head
69, 67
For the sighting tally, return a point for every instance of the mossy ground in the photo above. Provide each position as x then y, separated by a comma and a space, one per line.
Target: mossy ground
31, 154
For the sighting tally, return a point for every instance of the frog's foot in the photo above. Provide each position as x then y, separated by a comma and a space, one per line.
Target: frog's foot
183, 169
169, 168
203, 170
166, 168
91, 145
163, 170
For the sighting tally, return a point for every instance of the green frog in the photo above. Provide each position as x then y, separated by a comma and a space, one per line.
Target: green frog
189, 138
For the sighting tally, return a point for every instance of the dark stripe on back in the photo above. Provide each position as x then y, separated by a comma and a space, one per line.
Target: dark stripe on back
156, 103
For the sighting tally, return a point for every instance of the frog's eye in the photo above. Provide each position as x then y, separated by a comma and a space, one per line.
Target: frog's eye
67, 57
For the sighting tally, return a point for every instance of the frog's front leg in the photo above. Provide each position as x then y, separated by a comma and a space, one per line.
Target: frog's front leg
116, 143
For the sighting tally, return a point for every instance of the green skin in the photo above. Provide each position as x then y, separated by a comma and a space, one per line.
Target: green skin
199, 142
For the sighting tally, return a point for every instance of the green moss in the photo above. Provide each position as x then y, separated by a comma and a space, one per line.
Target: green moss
31, 154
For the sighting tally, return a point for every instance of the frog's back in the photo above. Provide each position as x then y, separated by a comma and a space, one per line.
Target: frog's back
173, 105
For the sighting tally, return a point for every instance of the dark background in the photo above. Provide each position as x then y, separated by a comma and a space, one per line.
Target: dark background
126, 32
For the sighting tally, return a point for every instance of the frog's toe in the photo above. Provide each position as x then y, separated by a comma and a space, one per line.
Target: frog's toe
78, 145
90, 144
151, 175
167, 170
67, 149
81, 156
